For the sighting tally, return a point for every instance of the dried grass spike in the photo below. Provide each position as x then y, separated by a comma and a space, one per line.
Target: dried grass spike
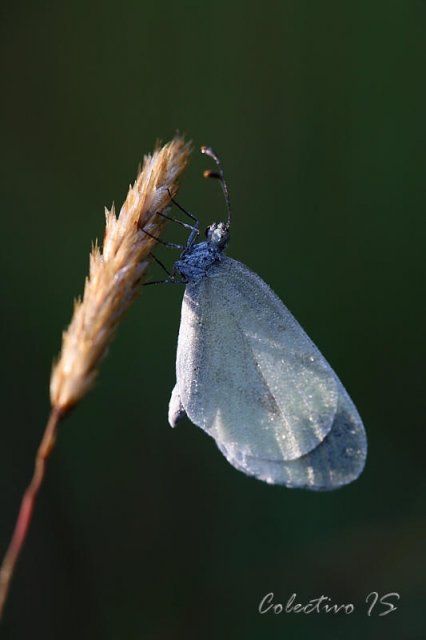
115, 273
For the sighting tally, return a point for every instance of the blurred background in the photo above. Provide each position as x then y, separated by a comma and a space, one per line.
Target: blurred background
318, 112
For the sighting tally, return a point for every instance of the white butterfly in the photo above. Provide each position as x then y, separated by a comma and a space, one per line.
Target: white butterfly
251, 378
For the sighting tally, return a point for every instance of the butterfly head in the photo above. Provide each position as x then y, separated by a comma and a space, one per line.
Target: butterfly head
217, 235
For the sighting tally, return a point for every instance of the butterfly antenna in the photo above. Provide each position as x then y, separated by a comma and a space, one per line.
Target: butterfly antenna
208, 151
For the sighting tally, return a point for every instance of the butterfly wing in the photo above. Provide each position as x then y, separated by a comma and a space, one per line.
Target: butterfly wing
252, 379
338, 460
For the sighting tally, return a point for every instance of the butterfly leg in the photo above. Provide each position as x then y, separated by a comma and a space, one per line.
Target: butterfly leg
195, 231
182, 224
172, 279
171, 245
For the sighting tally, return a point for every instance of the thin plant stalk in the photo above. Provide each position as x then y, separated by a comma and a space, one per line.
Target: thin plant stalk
27, 506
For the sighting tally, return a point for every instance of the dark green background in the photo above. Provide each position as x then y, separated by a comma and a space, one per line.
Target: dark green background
318, 109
